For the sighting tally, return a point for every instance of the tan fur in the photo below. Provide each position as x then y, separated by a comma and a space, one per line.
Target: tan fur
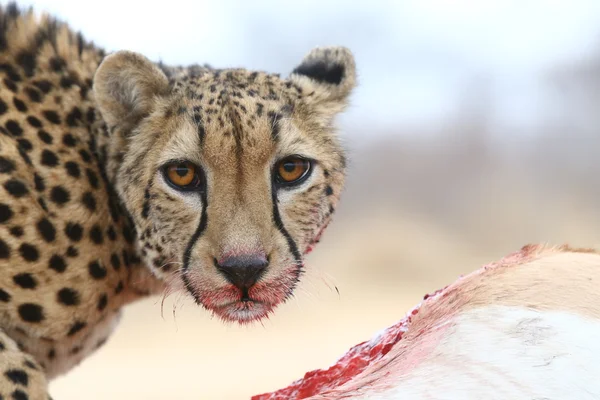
537, 277
87, 220
546, 279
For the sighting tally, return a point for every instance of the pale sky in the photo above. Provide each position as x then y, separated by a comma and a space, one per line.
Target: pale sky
415, 58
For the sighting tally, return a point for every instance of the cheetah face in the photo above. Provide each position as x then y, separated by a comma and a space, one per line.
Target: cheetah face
229, 175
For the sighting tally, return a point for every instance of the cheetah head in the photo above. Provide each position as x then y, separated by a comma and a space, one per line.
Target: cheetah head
230, 176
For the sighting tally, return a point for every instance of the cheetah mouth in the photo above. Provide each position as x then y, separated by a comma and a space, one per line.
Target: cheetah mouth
230, 304
243, 311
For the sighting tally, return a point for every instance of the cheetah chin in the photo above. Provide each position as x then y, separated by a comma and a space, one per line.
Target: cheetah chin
231, 304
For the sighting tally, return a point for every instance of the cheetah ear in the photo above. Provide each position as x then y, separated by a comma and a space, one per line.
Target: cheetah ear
125, 86
327, 76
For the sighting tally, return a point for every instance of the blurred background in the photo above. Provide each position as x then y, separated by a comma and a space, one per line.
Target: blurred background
473, 132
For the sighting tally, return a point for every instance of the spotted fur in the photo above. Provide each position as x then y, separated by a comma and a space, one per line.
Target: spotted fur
88, 222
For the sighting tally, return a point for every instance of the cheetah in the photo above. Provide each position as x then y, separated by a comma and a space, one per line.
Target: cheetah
123, 178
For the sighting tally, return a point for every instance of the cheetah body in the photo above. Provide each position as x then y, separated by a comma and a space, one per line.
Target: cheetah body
66, 247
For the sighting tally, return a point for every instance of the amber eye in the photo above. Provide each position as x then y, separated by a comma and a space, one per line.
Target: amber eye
292, 170
183, 175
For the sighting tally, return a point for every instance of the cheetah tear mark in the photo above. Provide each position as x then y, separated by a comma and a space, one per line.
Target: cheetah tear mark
187, 254
292, 246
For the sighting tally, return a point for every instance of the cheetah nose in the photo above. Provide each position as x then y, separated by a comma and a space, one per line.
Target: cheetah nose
243, 270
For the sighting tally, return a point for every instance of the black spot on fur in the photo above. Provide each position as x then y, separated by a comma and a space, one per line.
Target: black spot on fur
74, 231
24, 155
46, 230
20, 105
10, 85
259, 109
96, 235
26, 60
74, 117
52, 116
85, 156
200, 127
4, 296
76, 327
112, 235
102, 302
57, 263
49, 158
16, 188
30, 312
72, 251
89, 201
126, 258
59, 195
57, 63
275, 129
19, 395
6, 165
113, 208
33, 94
96, 270
25, 281
45, 136
128, 234
92, 178
24, 145
91, 115
13, 127
33, 121
12, 74
66, 82
80, 44
68, 297
16, 231
29, 252
44, 85
43, 204
73, 169
115, 262
17, 376
69, 140
5, 213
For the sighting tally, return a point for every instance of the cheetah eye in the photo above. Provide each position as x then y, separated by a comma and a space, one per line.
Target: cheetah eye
183, 175
292, 170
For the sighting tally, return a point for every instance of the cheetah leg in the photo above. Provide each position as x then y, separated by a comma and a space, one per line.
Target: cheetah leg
21, 377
